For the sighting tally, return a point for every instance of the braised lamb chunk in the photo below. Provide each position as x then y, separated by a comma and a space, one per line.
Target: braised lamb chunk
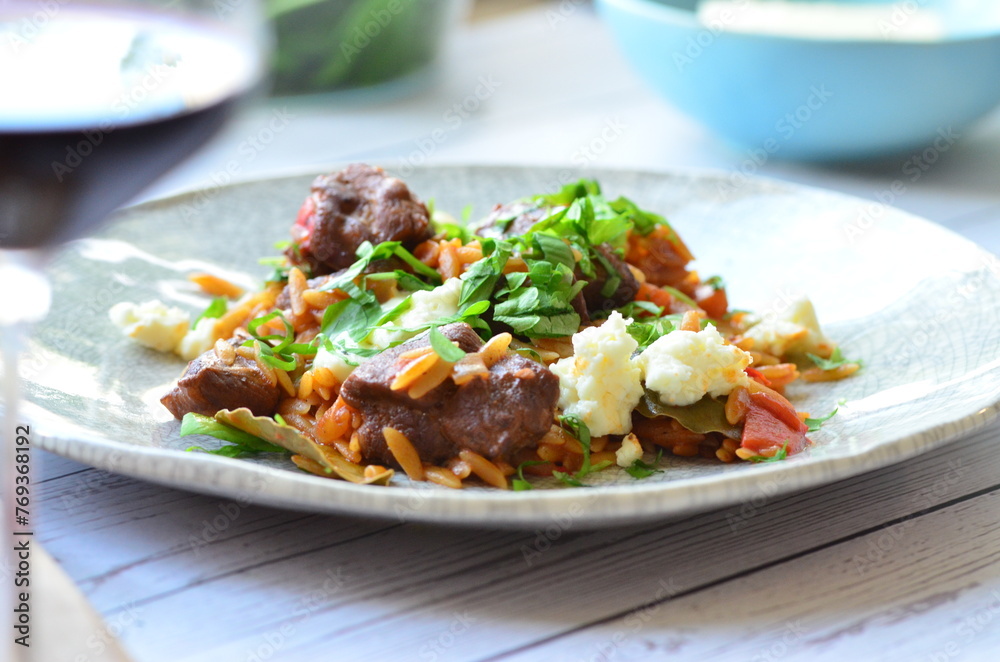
512, 219
347, 208
496, 416
211, 383
624, 292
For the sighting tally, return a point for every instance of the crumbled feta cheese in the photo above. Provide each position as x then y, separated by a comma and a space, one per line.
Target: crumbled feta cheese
796, 331
425, 306
332, 361
198, 340
152, 323
630, 451
600, 383
683, 366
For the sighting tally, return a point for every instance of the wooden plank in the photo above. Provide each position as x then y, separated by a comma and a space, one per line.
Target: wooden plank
406, 587
924, 589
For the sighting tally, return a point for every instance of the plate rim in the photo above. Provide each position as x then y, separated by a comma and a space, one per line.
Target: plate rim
101, 452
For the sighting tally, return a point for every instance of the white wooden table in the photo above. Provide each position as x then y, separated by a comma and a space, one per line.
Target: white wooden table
899, 564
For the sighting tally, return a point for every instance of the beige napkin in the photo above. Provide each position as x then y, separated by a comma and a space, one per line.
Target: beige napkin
64, 627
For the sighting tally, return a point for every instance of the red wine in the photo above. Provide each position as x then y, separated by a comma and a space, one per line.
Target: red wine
97, 104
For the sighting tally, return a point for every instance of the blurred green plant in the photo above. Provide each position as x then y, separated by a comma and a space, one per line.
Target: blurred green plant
325, 45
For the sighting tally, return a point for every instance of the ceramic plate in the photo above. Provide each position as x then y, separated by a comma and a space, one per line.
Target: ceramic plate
920, 306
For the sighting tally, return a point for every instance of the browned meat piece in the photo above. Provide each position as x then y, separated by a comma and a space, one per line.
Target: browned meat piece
627, 286
345, 209
495, 416
511, 219
209, 384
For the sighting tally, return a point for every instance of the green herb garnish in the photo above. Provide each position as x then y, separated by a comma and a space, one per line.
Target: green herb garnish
677, 294
444, 347
539, 303
568, 480
576, 427
777, 457
648, 332
481, 278
368, 254
835, 361
243, 443
716, 283
520, 484
214, 310
640, 469
280, 355
815, 424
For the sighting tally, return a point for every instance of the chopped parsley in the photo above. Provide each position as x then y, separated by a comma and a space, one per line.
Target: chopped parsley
368, 254
716, 283
214, 310
640, 469
444, 347
815, 424
581, 433
520, 484
777, 457
649, 330
480, 280
646, 333
835, 361
281, 354
538, 303
353, 316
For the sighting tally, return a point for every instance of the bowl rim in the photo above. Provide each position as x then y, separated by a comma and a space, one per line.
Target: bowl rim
662, 13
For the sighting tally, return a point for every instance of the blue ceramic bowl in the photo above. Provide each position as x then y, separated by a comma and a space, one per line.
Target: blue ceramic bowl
814, 99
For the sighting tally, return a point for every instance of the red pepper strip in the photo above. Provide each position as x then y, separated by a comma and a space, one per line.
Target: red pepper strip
771, 424
757, 377
303, 229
